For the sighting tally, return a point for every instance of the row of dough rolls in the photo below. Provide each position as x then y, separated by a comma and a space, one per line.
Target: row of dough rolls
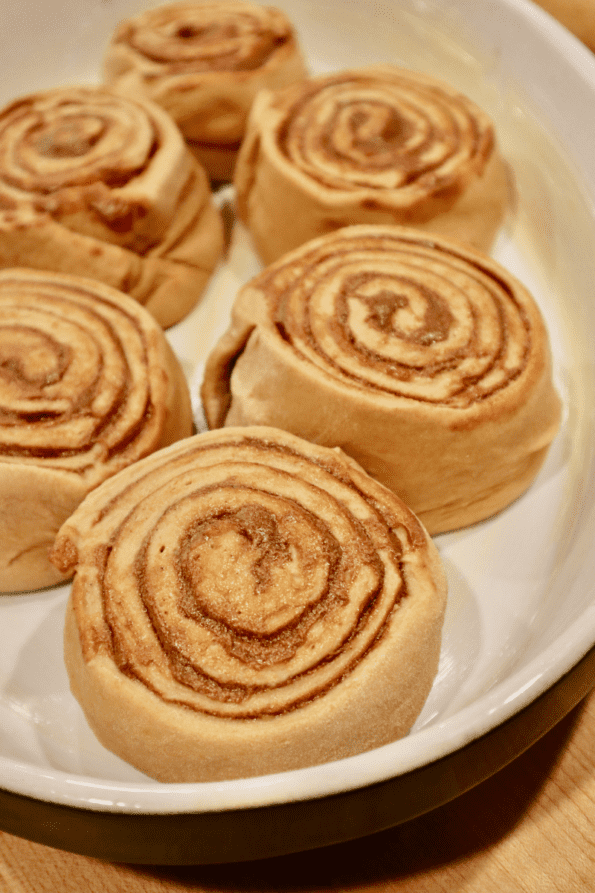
308, 155
88, 385
264, 596
246, 603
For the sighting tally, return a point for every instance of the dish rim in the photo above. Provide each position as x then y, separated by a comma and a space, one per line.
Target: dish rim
442, 739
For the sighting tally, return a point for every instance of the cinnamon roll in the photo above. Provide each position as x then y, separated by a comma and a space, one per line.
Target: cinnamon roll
204, 63
372, 145
103, 186
88, 385
421, 358
246, 603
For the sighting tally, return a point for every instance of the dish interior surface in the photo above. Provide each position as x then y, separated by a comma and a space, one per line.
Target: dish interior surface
521, 607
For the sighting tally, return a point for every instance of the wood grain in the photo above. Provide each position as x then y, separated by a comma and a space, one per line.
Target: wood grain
529, 828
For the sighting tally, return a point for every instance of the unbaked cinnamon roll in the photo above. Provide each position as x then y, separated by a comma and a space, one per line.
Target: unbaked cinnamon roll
424, 360
372, 145
99, 185
88, 385
246, 603
205, 62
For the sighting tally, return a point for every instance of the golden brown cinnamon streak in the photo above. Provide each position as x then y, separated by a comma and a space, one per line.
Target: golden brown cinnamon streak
204, 63
423, 359
88, 385
245, 603
373, 145
103, 186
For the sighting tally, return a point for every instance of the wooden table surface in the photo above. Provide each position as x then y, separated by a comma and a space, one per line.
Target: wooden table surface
531, 828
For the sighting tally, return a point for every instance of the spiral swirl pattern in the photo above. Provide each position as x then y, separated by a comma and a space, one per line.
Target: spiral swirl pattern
71, 140
397, 132
100, 185
245, 575
204, 63
205, 37
402, 316
424, 360
86, 156
85, 376
377, 145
